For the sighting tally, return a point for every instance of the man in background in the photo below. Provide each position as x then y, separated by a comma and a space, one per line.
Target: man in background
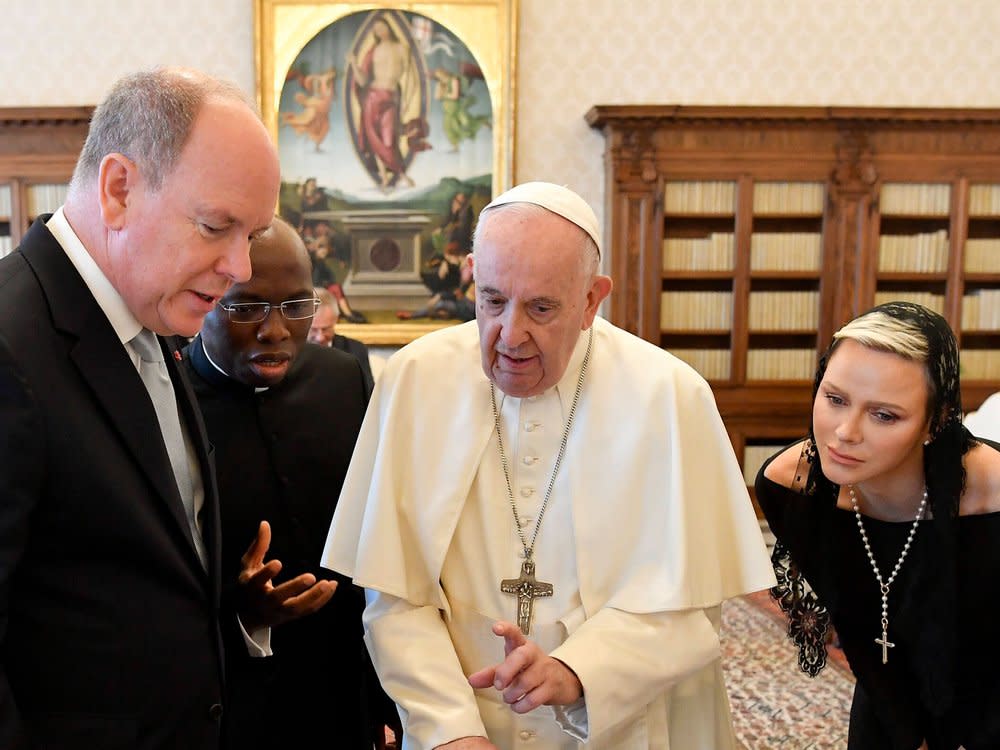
546, 563
283, 417
323, 332
109, 521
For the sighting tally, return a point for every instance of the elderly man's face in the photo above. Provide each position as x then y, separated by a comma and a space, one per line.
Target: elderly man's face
176, 250
324, 326
260, 354
535, 293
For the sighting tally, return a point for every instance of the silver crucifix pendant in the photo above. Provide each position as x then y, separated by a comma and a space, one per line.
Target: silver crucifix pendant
526, 589
886, 645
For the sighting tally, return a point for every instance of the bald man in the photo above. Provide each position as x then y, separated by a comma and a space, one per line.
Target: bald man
283, 416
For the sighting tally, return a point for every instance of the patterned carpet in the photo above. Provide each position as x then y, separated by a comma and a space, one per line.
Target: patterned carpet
775, 706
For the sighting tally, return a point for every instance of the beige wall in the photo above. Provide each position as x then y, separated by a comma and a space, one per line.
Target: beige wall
572, 54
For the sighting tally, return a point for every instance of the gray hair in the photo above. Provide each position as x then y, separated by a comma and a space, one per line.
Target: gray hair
148, 117
590, 253
326, 300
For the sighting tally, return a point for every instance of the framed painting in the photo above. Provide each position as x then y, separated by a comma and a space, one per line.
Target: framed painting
395, 125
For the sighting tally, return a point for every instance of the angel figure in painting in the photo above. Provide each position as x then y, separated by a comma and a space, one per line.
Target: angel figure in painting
452, 91
387, 84
313, 121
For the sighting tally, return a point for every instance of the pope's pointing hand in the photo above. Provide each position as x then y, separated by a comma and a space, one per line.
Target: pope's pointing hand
528, 677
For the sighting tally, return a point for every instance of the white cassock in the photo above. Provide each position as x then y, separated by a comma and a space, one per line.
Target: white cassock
648, 530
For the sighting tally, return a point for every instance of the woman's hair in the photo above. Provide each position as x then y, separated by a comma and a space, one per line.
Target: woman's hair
915, 333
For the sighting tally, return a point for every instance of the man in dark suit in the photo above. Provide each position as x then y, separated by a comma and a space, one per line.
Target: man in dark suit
323, 331
283, 416
109, 526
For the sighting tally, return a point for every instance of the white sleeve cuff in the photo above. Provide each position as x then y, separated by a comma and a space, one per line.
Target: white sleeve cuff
258, 642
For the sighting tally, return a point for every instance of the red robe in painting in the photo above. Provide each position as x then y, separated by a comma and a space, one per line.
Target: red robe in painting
378, 133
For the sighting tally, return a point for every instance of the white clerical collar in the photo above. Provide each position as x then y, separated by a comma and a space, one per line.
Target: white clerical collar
107, 297
212, 362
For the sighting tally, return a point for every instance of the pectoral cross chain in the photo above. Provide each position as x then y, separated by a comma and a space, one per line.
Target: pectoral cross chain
526, 589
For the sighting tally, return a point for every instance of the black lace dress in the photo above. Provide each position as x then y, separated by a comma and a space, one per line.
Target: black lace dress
942, 680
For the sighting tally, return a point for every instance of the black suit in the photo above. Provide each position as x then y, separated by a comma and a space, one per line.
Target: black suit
281, 456
360, 351
109, 624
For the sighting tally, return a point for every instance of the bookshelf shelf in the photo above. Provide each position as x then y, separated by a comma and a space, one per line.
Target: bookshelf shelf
828, 210
695, 275
785, 275
919, 277
38, 150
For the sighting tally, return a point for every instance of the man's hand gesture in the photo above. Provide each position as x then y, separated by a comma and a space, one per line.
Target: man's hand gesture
262, 604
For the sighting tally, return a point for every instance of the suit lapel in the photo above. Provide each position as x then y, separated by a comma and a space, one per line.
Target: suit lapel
105, 366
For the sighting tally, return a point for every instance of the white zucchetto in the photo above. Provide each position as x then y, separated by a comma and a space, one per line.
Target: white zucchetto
557, 199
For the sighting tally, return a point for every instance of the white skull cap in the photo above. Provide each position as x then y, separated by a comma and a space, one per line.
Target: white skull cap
555, 198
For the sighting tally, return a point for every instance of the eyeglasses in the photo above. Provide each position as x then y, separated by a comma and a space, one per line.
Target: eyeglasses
255, 312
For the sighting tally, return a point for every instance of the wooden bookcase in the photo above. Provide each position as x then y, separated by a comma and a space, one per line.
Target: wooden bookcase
38, 150
742, 237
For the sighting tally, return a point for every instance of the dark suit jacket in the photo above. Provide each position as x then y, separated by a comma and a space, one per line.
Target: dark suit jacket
360, 351
281, 456
109, 630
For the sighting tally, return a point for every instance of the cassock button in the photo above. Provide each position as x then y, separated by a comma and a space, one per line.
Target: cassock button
527, 491
525, 520
526, 735
531, 426
529, 460
215, 712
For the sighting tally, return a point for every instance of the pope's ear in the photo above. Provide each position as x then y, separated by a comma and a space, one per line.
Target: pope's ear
600, 288
115, 178
471, 260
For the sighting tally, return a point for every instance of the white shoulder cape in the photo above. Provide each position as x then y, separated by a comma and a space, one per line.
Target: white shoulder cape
661, 514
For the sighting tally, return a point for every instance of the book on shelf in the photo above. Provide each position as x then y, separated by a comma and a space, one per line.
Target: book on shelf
5, 205
700, 197
712, 253
45, 198
788, 198
711, 364
785, 251
980, 364
6, 245
926, 252
696, 311
754, 457
929, 300
784, 311
915, 199
982, 255
984, 200
781, 364
981, 310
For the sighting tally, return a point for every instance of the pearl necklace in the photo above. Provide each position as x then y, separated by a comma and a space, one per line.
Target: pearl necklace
884, 585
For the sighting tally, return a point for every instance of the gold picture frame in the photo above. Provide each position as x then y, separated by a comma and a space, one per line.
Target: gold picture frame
395, 125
